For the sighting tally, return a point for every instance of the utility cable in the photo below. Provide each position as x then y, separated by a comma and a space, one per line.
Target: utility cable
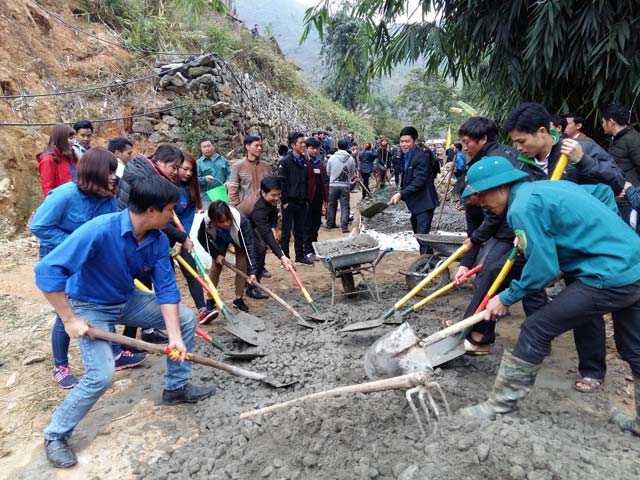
84, 32
100, 120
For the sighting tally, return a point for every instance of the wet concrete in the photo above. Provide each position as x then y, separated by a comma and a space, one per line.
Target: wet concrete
558, 433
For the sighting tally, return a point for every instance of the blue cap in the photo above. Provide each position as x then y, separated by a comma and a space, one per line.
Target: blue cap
491, 172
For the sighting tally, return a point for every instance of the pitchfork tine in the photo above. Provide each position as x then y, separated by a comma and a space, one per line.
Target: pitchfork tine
409, 394
442, 396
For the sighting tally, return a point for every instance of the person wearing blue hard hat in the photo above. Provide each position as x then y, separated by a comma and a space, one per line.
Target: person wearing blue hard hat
560, 227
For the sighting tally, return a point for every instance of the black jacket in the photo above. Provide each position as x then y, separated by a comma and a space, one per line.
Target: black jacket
596, 166
625, 150
417, 188
136, 169
264, 218
241, 237
294, 178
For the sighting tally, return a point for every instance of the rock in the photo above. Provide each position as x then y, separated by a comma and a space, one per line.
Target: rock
170, 120
465, 444
267, 471
373, 473
34, 358
176, 79
483, 452
310, 460
221, 108
156, 138
517, 473
142, 127
207, 79
198, 71
408, 473
278, 462
540, 475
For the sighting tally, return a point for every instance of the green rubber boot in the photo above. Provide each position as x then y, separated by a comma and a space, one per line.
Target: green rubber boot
514, 382
627, 422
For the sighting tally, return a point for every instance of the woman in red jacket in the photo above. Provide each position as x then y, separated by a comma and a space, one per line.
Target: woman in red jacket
57, 164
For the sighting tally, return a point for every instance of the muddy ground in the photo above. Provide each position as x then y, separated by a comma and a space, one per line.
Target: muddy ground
558, 433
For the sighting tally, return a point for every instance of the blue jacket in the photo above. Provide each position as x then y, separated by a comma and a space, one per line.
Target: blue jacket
568, 230
417, 188
633, 196
185, 209
366, 161
64, 210
99, 261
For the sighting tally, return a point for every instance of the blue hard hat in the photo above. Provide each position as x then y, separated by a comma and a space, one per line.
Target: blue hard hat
491, 172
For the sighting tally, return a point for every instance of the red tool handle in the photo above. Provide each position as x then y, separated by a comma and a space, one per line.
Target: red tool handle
468, 275
296, 278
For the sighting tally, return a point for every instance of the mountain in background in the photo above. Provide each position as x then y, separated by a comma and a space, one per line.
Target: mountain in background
285, 20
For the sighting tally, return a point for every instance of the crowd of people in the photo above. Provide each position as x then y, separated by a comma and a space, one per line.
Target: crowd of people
109, 218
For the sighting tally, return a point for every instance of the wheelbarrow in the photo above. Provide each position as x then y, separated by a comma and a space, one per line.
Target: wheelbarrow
347, 257
443, 246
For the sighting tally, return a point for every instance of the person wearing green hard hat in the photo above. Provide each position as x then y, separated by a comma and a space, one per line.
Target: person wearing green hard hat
560, 227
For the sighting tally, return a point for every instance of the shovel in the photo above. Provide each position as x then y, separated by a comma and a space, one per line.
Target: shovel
233, 325
300, 321
380, 321
400, 303
375, 209
304, 291
401, 351
164, 350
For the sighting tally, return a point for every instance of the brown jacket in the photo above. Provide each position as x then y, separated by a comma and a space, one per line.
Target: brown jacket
244, 183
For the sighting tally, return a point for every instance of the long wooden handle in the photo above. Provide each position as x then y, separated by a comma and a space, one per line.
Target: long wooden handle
404, 381
453, 329
265, 290
160, 349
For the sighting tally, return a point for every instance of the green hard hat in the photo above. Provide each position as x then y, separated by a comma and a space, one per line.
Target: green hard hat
491, 172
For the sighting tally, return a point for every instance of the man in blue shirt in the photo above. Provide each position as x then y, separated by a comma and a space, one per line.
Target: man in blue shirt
88, 279
560, 228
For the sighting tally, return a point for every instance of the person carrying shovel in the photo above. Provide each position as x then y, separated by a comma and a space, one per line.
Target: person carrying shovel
89, 281
571, 232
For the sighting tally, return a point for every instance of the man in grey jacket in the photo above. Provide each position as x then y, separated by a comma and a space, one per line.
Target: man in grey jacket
341, 169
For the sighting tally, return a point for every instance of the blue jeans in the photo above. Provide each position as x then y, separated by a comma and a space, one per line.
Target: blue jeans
59, 338
141, 310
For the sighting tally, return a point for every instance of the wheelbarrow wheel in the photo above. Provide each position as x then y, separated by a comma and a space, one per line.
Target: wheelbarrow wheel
423, 266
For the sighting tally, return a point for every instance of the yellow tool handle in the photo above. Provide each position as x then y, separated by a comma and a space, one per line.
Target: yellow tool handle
435, 294
501, 276
457, 254
141, 286
563, 161
211, 287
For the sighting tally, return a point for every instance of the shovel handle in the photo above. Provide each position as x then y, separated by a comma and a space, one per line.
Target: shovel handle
296, 279
453, 329
266, 290
445, 289
457, 254
163, 350
563, 161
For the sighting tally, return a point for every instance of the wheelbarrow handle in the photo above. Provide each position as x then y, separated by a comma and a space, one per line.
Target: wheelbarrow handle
382, 253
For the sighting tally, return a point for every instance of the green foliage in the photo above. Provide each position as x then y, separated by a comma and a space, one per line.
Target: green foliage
568, 55
427, 100
345, 57
382, 114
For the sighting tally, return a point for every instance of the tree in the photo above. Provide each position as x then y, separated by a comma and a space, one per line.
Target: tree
568, 55
382, 113
345, 60
426, 100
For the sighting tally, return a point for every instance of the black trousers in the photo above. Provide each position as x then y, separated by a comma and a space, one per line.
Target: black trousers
261, 252
365, 182
295, 215
314, 220
421, 223
492, 262
574, 306
340, 194
194, 287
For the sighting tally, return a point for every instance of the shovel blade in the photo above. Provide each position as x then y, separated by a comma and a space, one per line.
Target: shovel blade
242, 355
243, 332
445, 350
374, 209
276, 384
391, 355
367, 325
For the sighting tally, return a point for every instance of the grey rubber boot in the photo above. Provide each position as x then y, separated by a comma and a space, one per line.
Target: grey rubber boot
627, 422
514, 382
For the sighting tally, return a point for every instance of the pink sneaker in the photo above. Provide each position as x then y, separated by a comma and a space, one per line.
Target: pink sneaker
129, 359
63, 377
